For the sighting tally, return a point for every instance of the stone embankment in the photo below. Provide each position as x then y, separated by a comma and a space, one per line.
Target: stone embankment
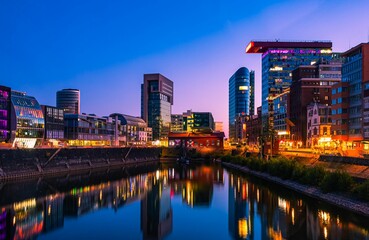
358, 207
23, 163
346, 160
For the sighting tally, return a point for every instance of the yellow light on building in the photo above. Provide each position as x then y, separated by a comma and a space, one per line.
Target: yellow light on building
243, 229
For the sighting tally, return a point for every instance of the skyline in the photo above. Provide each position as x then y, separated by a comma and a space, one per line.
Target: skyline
84, 49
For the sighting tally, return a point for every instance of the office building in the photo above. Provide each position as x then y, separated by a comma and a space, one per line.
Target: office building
156, 104
279, 58
176, 123
5, 110
133, 130
27, 121
355, 78
54, 125
68, 100
198, 121
89, 130
310, 84
252, 92
240, 93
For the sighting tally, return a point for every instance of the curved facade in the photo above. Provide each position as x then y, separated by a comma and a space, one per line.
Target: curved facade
134, 130
239, 98
28, 122
68, 100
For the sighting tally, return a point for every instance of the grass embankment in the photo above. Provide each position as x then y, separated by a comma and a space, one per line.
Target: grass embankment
317, 176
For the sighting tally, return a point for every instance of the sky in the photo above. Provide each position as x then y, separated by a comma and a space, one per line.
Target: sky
103, 48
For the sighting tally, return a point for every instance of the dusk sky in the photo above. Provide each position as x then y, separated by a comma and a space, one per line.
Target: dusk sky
103, 48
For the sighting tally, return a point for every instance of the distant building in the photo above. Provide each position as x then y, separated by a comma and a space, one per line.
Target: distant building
279, 58
68, 100
133, 130
253, 129
156, 104
89, 130
218, 126
5, 113
27, 121
319, 126
194, 121
310, 84
240, 103
176, 123
252, 93
54, 125
240, 128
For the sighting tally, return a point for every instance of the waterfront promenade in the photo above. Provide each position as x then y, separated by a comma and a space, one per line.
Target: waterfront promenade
23, 163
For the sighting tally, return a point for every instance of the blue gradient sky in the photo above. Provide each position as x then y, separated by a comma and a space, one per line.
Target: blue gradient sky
104, 48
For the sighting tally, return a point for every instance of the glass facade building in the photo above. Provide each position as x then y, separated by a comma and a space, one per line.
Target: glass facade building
88, 130
28, 124
278, 61
240, 102
54, 123
355, 74
5, 106
68, 100
156, 104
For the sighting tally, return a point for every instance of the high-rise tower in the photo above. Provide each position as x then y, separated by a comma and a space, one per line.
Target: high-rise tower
156, 104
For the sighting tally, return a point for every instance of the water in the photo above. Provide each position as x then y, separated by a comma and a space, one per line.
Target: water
167, 201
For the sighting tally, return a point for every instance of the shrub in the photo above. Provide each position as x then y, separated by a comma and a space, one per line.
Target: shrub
336, 182
362, 190
313, 176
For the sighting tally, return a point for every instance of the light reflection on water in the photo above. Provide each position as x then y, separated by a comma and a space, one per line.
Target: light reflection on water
172, 202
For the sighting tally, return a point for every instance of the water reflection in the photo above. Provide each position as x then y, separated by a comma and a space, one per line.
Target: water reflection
255, 210
253, 205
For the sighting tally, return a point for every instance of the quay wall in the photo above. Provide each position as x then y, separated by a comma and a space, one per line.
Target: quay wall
343, 159
23, 163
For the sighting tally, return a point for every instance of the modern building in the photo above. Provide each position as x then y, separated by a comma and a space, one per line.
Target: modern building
133, 130
68, 100
319, 126
198, 140
27, 121
252, 92
89, 130
312, 83
280, 121
279, 58
156, 104
340, 105
176, 123
197, 121
5, 110
355, 71
240, 93
54, 125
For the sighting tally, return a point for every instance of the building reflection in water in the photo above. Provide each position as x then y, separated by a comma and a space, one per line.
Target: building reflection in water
280, 218
254, 211
31, 217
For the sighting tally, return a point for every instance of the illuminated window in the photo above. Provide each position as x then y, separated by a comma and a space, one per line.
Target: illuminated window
241, 88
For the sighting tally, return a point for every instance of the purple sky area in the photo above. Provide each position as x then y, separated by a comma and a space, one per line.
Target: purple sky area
104, 47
